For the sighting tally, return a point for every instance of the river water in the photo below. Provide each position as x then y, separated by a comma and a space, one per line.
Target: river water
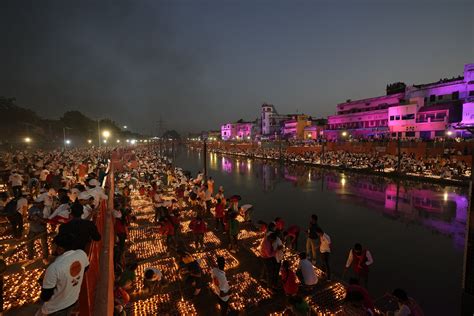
417, 243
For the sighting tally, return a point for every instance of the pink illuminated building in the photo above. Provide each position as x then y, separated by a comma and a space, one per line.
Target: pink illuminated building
424, 111
228, 131
240, 130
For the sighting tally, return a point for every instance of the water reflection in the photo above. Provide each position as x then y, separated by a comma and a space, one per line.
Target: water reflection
441, 209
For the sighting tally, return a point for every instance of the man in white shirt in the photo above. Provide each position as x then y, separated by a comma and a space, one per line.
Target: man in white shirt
360, 259
16, 181
97, 192
220, 285
305, 271
325, 250
63, 278
152, 280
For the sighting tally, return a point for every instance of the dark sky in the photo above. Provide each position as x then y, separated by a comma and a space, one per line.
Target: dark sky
200, 63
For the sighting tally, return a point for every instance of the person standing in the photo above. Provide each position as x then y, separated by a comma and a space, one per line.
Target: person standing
198, 228
219, 214
84, 231
233, 232
38, 229
360, 259
220, 285
288, 278
325, 250
312, 240
291, 237
62, 280
16, 182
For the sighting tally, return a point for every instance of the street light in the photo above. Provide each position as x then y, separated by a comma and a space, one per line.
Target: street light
344, 134
67, 142
118, 141
125, 127
449, 133
105, 141
89, 141
27, 140
106, 134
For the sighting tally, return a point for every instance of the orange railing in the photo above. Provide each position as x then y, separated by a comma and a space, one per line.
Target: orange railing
91, 277
96, 297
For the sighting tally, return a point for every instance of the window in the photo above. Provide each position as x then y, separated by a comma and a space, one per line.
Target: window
409, 134
432, 98
440, 133
391, 117
471, 93
455, 95
408, 117
397, 117
394, 134
440, 97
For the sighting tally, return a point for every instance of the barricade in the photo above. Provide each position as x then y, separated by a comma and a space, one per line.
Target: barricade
96, 297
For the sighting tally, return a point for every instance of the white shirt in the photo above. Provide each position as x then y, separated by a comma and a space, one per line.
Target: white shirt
65, 276
368, 256
219, 283
307, 269
325, 243
403, 311
98, 194
157, 275
44, 174
63, 210
278, 253
15, 179
22, 205
86, 211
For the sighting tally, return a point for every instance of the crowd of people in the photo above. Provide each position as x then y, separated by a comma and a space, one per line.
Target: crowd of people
53, 196
444, 166
59, 193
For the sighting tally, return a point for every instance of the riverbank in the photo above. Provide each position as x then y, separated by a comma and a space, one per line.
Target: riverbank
386, 174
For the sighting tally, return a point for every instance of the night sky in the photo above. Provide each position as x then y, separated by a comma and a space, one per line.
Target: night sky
201, 63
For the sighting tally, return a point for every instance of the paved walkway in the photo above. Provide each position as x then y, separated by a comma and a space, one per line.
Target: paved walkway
249, 296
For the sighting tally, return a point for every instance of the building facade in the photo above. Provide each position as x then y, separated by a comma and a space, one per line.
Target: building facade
425, 111
271, 122
294, 128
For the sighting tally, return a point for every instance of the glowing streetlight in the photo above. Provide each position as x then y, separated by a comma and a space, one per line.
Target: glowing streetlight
449, 133
67, 141
27, 140
118, 141
105, 141
344, 134
106, 134
125, 127
128, 140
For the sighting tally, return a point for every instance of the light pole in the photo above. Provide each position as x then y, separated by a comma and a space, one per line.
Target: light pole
64, 138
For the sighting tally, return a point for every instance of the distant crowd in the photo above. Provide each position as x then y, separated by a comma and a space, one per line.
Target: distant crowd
446, 166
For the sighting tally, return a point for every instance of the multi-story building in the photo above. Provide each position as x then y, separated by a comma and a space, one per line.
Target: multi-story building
424, 111
245, 130
294, 128
362, 118
271, 122
228, 131
240, 130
